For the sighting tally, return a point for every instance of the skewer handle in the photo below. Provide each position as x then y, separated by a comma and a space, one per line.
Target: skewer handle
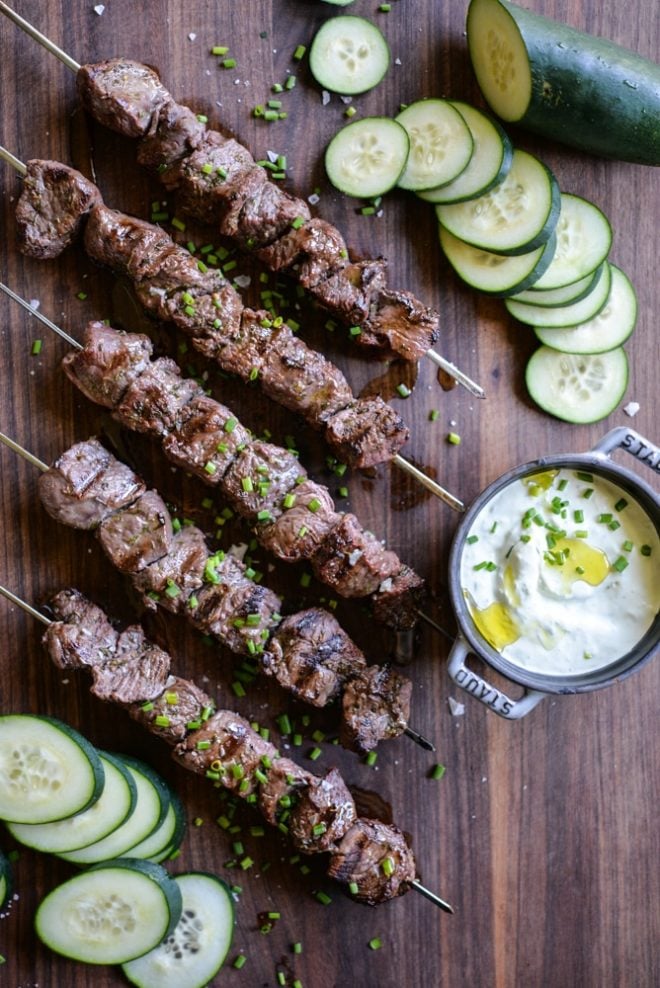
453, 370
38, 36
430, 485
32, 611
432, 897
40, 316
30, 457
12, 160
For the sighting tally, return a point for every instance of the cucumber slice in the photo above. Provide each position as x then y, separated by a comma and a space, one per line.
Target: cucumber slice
580, 388
349, 55
560, 316
5, 880
607, 330
111, 913
194, 952
490, 162
116, 803
48, 771
441, 144
340, 3
584, 238
366, 158
515, 217
565, 84
495, 274
165, 838
561, 296
153, 797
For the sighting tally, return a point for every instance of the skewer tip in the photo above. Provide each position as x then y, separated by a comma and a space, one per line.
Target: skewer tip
419, 739
432, 897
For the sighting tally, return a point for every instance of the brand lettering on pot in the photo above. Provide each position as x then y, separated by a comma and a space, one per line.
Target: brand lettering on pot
645, 452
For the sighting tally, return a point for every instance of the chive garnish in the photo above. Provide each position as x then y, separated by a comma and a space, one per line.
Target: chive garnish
620, 564
375, 944
620, 504
645, 550
438, 771
578, 516
471, 539
587, 477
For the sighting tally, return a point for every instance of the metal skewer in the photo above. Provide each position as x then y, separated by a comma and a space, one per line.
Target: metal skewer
397, 459
33, 612
74, 66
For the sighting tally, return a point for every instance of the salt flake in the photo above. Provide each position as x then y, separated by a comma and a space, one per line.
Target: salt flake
192, 36
455, 708
325, 97
631, 408
99, 9
242, 280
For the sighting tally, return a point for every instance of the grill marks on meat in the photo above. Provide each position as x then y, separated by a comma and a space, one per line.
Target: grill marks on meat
138, 535
375, 705
293, 516
219, 182
174, 578
366, 432
312, 656
318, 813
52, 207
86, 484
360, 857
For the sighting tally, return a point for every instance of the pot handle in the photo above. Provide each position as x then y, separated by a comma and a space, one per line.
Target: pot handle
481, 690
642, 449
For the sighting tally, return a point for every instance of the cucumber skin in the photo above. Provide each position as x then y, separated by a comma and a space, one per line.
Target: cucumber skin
588, 92
6, 876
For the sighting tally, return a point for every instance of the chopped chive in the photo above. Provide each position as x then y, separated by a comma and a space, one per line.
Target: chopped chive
579, 570
404, 390
438, 771
239, 962
355, 331
314, 505
604, 519
385, 8
587, 492
323, 898
353, 888
587, 477
315, 753
375, 944
228, 63
247, 485
284, 724
178, 224
36, 348
582, 533
628, 546
230, 425
434, 415
290, 82
621, 504
646, 550
614, 524
620, 564
578, 516
289, 500
299, 52
296, 948
454, 438
387, 867
219, 50
305, 579
350, 111
562, 485
471, 539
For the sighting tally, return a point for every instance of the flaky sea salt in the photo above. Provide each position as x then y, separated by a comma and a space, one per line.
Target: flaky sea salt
456, 709
631, 408
99, 9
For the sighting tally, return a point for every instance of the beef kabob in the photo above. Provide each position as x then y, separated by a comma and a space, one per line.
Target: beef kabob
291, 516
171, 567
218, 181
57, 204
371, 858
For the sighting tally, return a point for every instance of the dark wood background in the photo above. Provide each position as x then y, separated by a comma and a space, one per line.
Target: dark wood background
543, 834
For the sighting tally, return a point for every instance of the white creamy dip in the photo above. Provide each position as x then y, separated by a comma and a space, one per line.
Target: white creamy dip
559, 580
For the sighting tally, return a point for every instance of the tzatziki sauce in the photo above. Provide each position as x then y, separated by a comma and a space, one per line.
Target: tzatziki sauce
560, 572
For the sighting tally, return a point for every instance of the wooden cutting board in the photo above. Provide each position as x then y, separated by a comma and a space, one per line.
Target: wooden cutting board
543, 834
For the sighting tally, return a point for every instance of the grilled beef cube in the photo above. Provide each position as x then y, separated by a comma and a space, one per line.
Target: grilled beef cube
137, 671
86, 484
233, 608
259, 479
175, 132
108, 362
245, 189
361, 855
322, 815
285, 779
80, 634
121, 94
138, 535
171, 580
206, 439
300, 529
245, 352
350, 290
226, 745
367, 432
352, 560
398, 599
51, 208
375, 707
180, 708
400, 322
154, 401
303, 379
310, 655
267, 215
209, 177
318, 249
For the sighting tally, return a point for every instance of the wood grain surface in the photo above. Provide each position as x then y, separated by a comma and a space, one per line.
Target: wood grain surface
543, 834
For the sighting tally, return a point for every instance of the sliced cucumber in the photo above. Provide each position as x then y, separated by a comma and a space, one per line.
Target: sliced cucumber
194, 952
366, 158
561, 296
560, 316
495, 274
48, 771
515, 217
607, 330
5, 879
165, 838
584, 238
153, 796
579, 388
111, 913
349, 55
489, 164
115, 804
441, 144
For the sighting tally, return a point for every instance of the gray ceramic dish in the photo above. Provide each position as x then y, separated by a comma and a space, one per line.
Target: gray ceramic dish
470, 642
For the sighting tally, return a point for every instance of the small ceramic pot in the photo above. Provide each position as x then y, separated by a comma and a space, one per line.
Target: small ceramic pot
470, 642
